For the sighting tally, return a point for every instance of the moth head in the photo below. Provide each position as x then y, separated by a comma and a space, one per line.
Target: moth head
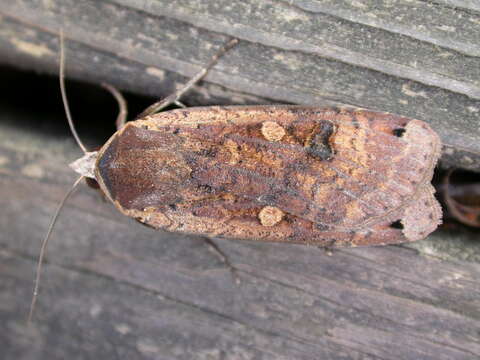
85, 166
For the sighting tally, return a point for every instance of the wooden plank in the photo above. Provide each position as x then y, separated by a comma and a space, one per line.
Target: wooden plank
417, 59
115, 289
447, 27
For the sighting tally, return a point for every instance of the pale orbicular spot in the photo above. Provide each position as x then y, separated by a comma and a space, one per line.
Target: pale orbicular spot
272, 131
270, 216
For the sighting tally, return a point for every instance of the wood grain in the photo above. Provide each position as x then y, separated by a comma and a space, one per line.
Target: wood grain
115, 289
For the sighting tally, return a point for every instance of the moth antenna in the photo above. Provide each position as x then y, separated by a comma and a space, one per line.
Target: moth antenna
43, 248
64, 95
122, 105
159, 105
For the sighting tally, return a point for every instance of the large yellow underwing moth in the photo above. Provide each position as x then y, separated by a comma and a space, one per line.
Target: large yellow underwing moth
309, 175
324, 176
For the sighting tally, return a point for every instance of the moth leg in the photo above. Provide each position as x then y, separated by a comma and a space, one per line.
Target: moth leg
329, 248
122, 105
172, 98
223, 258
178, 103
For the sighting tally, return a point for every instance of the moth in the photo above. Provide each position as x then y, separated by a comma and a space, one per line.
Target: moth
333, 176
328, 176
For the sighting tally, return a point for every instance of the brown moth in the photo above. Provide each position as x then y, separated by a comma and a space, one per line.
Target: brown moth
309, 175
323, 176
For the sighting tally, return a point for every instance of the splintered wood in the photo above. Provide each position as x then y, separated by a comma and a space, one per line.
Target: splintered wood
331, 177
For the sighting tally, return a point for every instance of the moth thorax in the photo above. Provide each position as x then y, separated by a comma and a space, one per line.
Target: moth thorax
86, 164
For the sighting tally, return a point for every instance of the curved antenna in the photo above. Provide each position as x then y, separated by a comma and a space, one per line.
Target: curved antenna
44, 247
159, 105
122, 105
64, 95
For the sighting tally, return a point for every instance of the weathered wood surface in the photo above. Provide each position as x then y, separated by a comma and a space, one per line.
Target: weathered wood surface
415, 58
115, 289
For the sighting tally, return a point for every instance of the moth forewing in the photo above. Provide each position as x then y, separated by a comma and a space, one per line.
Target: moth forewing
329, 176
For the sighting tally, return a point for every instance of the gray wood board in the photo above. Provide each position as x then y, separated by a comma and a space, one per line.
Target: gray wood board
415, 58
113, 289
